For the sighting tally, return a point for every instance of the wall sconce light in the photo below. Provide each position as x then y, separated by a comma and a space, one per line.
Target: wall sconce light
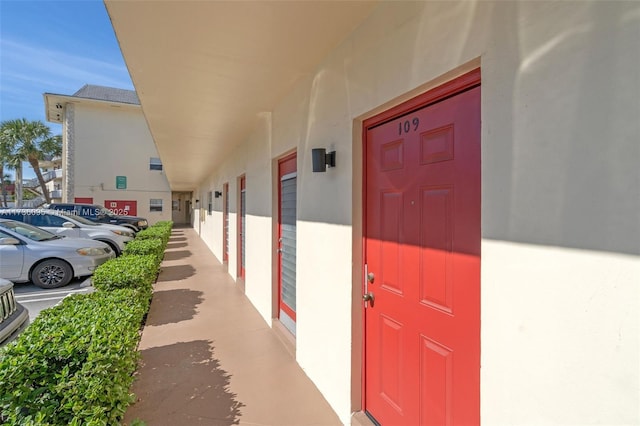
321, 159
218, 194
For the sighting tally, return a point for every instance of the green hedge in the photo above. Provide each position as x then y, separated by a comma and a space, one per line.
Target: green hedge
142, 247
160, 230
129, 271
74, 364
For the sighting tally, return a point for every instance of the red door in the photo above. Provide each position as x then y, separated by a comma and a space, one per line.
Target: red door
422, 254
287, 218
122, 207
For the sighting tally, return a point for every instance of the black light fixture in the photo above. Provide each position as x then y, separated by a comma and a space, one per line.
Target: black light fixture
321, 159
217, 194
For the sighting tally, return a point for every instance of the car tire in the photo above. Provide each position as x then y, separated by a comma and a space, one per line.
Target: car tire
51, 273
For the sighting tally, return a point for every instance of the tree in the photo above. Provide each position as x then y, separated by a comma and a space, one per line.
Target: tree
6, 180
29, 141
7, 146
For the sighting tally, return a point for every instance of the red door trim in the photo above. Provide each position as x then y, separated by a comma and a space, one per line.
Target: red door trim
448, 89
455, 86
284, 168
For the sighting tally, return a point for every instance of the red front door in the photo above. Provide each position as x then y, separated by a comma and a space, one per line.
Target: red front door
422, 254
287, 221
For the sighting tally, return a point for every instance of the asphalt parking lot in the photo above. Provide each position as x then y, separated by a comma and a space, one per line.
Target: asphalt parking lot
36, 299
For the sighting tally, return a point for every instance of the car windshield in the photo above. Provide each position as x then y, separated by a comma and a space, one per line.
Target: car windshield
28, 231
78, 218
106, 212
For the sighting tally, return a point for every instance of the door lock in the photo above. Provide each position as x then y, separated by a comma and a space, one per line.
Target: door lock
371, 277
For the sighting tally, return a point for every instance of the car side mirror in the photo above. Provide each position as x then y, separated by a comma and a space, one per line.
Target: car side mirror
68, 225
9, 241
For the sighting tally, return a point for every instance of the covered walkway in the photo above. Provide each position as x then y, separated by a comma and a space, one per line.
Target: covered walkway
208, 357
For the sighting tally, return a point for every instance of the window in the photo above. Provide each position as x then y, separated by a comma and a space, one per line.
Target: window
155, 205
155, 164
210, 202
47, 220
13, 216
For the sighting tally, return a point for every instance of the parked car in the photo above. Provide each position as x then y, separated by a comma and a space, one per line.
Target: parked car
29, 253
64, 223
13, 316
97, 213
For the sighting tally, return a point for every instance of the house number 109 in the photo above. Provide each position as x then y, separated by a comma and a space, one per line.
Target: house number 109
405, 126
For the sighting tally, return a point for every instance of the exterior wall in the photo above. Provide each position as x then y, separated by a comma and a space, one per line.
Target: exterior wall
68, 152
110, 142
181, 215
560, 185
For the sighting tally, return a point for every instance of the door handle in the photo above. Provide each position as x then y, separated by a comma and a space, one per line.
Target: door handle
368, 297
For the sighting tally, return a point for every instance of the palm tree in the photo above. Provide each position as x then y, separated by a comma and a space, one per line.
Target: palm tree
6, 180
6, 151
31, 141
7, 145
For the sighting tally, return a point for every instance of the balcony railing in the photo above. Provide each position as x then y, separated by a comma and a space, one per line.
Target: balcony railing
32, 204
47, 176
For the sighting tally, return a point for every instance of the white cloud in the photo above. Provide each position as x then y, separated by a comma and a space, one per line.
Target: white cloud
49, 70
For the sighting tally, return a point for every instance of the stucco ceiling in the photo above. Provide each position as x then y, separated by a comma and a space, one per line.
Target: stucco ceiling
205, 70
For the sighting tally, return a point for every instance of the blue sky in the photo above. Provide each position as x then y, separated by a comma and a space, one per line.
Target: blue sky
54, 47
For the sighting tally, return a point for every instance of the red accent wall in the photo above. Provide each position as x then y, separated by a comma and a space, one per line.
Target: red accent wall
122, 207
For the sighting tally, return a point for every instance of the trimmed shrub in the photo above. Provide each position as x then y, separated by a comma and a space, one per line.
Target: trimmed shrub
130, 271
148, 246
74, 364
160, 232
165, 224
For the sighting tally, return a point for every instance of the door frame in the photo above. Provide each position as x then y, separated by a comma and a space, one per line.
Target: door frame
438, 93
279, 302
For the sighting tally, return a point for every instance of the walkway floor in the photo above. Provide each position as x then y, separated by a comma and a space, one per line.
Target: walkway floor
208, 357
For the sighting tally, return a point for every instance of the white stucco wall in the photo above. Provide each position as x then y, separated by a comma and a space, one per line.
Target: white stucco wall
560, 197
115, 141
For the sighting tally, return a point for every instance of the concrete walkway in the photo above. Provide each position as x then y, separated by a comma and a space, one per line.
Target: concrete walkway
208, 357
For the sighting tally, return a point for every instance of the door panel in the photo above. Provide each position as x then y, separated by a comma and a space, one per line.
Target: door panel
12, 259
422, 250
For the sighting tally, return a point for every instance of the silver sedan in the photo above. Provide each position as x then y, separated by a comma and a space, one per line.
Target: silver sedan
28, 253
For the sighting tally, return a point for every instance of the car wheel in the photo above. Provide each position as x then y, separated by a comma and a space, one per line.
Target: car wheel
51, 273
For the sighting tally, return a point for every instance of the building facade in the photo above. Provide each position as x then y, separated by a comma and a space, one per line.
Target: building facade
472, 253
109, 157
